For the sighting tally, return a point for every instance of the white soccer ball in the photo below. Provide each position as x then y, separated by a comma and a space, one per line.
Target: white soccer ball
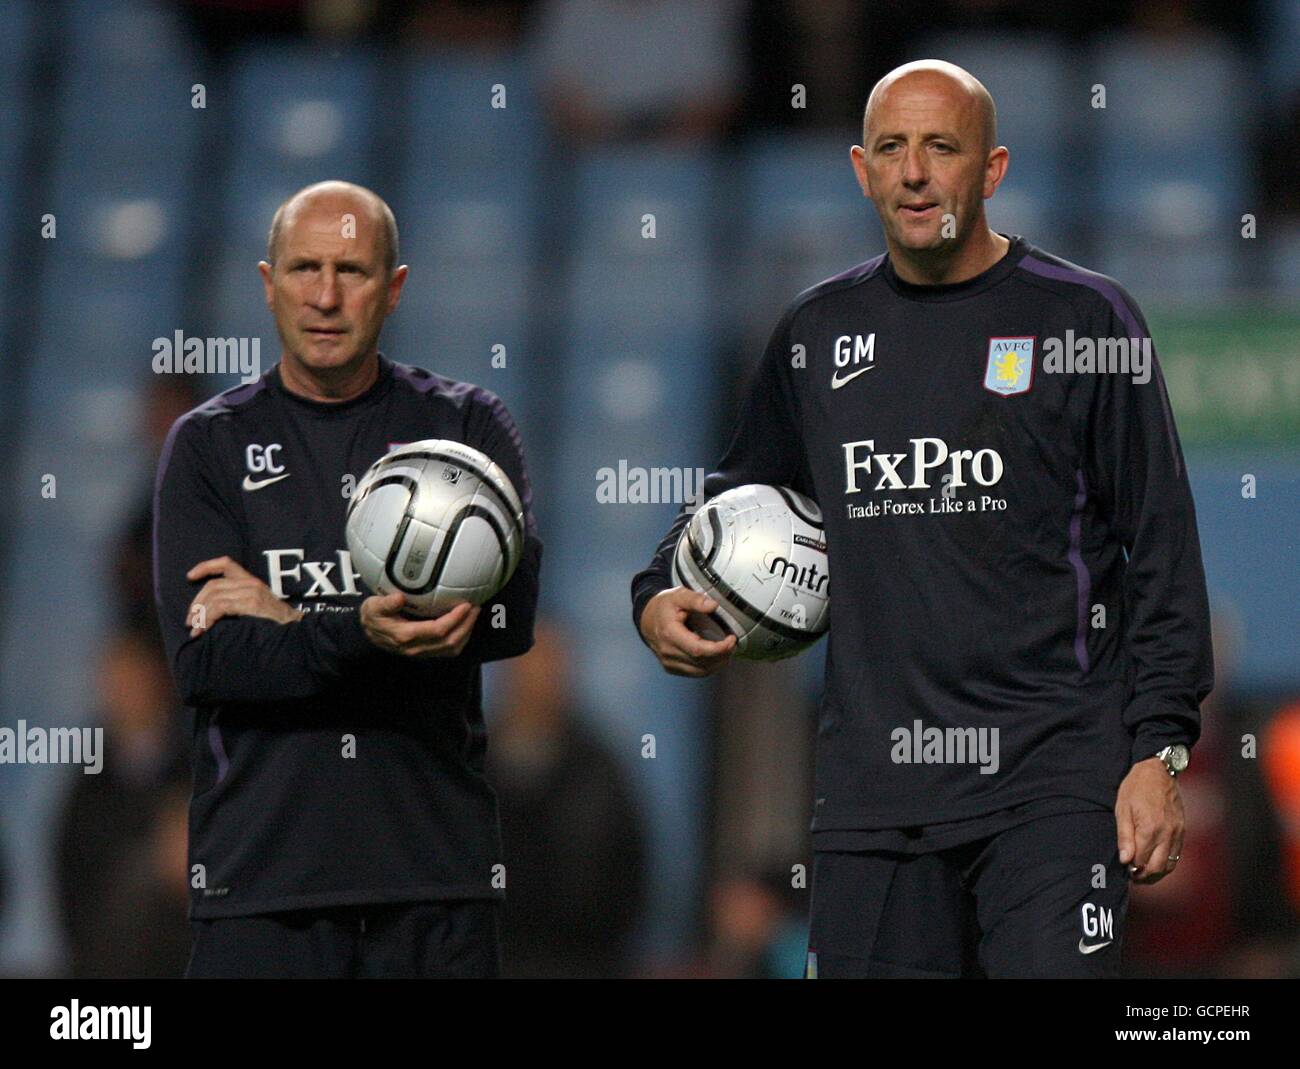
760, 553
438, 521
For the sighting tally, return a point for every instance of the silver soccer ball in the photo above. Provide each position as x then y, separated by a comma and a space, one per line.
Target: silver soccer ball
438, 521
760, 553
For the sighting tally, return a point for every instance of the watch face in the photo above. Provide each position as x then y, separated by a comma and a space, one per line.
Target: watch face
1178, 758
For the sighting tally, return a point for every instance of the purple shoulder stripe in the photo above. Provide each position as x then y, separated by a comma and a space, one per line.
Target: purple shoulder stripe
239, 394
1107, 289
861, 270
1082, 577
426, 381
412, 377
1093, 281
504, 420
498, 409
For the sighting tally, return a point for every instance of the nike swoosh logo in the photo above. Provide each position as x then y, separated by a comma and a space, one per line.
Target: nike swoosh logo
251, 484
837, 382
1085, 949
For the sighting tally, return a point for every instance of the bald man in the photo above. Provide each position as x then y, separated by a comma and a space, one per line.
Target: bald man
1019, 636
341, 824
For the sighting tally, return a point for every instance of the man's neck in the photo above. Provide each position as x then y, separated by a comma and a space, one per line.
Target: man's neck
333, 386
941, 267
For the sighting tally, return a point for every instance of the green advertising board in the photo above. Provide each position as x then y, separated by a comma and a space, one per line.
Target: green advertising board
1233, 373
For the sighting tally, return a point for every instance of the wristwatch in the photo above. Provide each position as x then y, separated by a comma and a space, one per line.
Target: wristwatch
1175, 758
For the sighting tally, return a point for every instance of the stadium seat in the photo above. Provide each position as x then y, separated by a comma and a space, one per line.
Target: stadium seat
466, 199
17, 45
637, 354
1172, 154
299, 115
452, 124
1242, 540
1279, 31
800, 218
111, 280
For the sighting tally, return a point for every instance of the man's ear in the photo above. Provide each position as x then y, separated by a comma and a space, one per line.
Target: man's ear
266, 270
395, 284
995, 170
858, 158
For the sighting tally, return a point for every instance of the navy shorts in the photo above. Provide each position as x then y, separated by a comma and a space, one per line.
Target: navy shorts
407, 939
1046, 898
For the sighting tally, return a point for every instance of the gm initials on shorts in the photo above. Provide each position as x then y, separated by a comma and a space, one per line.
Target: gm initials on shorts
1098, 921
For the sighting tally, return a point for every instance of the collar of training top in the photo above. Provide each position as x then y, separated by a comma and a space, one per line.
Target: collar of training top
377, 389
955, 290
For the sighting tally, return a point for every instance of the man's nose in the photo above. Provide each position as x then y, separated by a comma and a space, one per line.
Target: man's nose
326, 296
915, 173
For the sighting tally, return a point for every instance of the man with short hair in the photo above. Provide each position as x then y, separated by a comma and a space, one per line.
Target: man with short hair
341, 824
1019, 627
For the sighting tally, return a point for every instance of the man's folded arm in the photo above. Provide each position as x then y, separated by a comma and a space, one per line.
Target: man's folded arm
251, 659
239, 658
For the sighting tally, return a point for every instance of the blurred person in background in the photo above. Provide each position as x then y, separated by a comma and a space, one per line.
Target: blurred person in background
829, 49
1234, 910
489, 25
225, 24
109, 819
143, 923
572, 836
759, 928
166, 399
639, 70
1271, 914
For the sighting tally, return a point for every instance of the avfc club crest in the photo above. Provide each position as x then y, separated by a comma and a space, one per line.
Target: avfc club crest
1010, 368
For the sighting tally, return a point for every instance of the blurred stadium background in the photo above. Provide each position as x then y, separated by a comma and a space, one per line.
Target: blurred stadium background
129, 213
